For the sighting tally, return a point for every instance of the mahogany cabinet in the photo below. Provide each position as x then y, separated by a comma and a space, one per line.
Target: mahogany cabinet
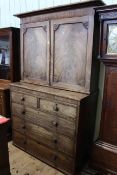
104, 155
54, 104
9, 65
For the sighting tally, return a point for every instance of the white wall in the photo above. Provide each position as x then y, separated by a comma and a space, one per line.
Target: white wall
10, 7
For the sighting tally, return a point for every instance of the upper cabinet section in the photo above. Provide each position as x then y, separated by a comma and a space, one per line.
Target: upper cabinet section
10, 54
108, 32
57, 46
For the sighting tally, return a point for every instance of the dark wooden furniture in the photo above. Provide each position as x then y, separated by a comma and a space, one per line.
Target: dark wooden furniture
9, 65
53, 107
104, 155
4, 156
4, 98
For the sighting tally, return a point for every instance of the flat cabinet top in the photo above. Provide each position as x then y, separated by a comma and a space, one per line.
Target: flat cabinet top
50, 90
4, 84
107, 12
84, 4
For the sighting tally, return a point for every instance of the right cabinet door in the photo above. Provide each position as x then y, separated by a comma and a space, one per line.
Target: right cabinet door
71, 51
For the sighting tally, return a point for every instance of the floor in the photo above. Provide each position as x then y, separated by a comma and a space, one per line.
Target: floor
22, 163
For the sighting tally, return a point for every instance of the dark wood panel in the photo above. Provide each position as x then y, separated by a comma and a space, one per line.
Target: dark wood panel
109, 115
4, 154
105, 157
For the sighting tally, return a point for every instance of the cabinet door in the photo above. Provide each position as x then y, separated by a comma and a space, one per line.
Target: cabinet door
72, 53
35, 52
109, 114
5, 55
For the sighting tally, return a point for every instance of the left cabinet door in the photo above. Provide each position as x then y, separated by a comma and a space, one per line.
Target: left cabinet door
35, 52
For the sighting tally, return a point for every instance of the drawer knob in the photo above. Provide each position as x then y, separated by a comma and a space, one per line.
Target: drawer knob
23, 112
23, 127
56, 108
55, 157
55, 141
22, 98
24, 142
55, 123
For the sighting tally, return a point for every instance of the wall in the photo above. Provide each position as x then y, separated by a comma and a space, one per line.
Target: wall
10, 7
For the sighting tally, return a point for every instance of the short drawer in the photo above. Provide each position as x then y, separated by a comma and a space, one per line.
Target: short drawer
52, 140
18, 124
50, 122
61, 109
23, 99
19, 140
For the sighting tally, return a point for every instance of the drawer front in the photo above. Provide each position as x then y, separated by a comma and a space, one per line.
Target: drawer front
19, 140
18, 110
65, 163
24, 99
60, 109
41, 152
52, 140
51, 157
18, 124
57, 124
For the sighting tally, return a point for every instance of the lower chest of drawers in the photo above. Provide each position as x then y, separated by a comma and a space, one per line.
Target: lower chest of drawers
56, 129
46, 128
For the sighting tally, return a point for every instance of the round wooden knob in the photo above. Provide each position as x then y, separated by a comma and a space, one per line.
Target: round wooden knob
55, 123
55, 157
56, 108
23, 127
22, 98
23, 112
55, 141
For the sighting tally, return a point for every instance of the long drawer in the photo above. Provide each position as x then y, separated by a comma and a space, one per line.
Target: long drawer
43, 136
51, 157
67, 111
50, 122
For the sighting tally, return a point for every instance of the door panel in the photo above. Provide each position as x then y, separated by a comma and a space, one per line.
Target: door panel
70, 53
110, 107
36, 52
